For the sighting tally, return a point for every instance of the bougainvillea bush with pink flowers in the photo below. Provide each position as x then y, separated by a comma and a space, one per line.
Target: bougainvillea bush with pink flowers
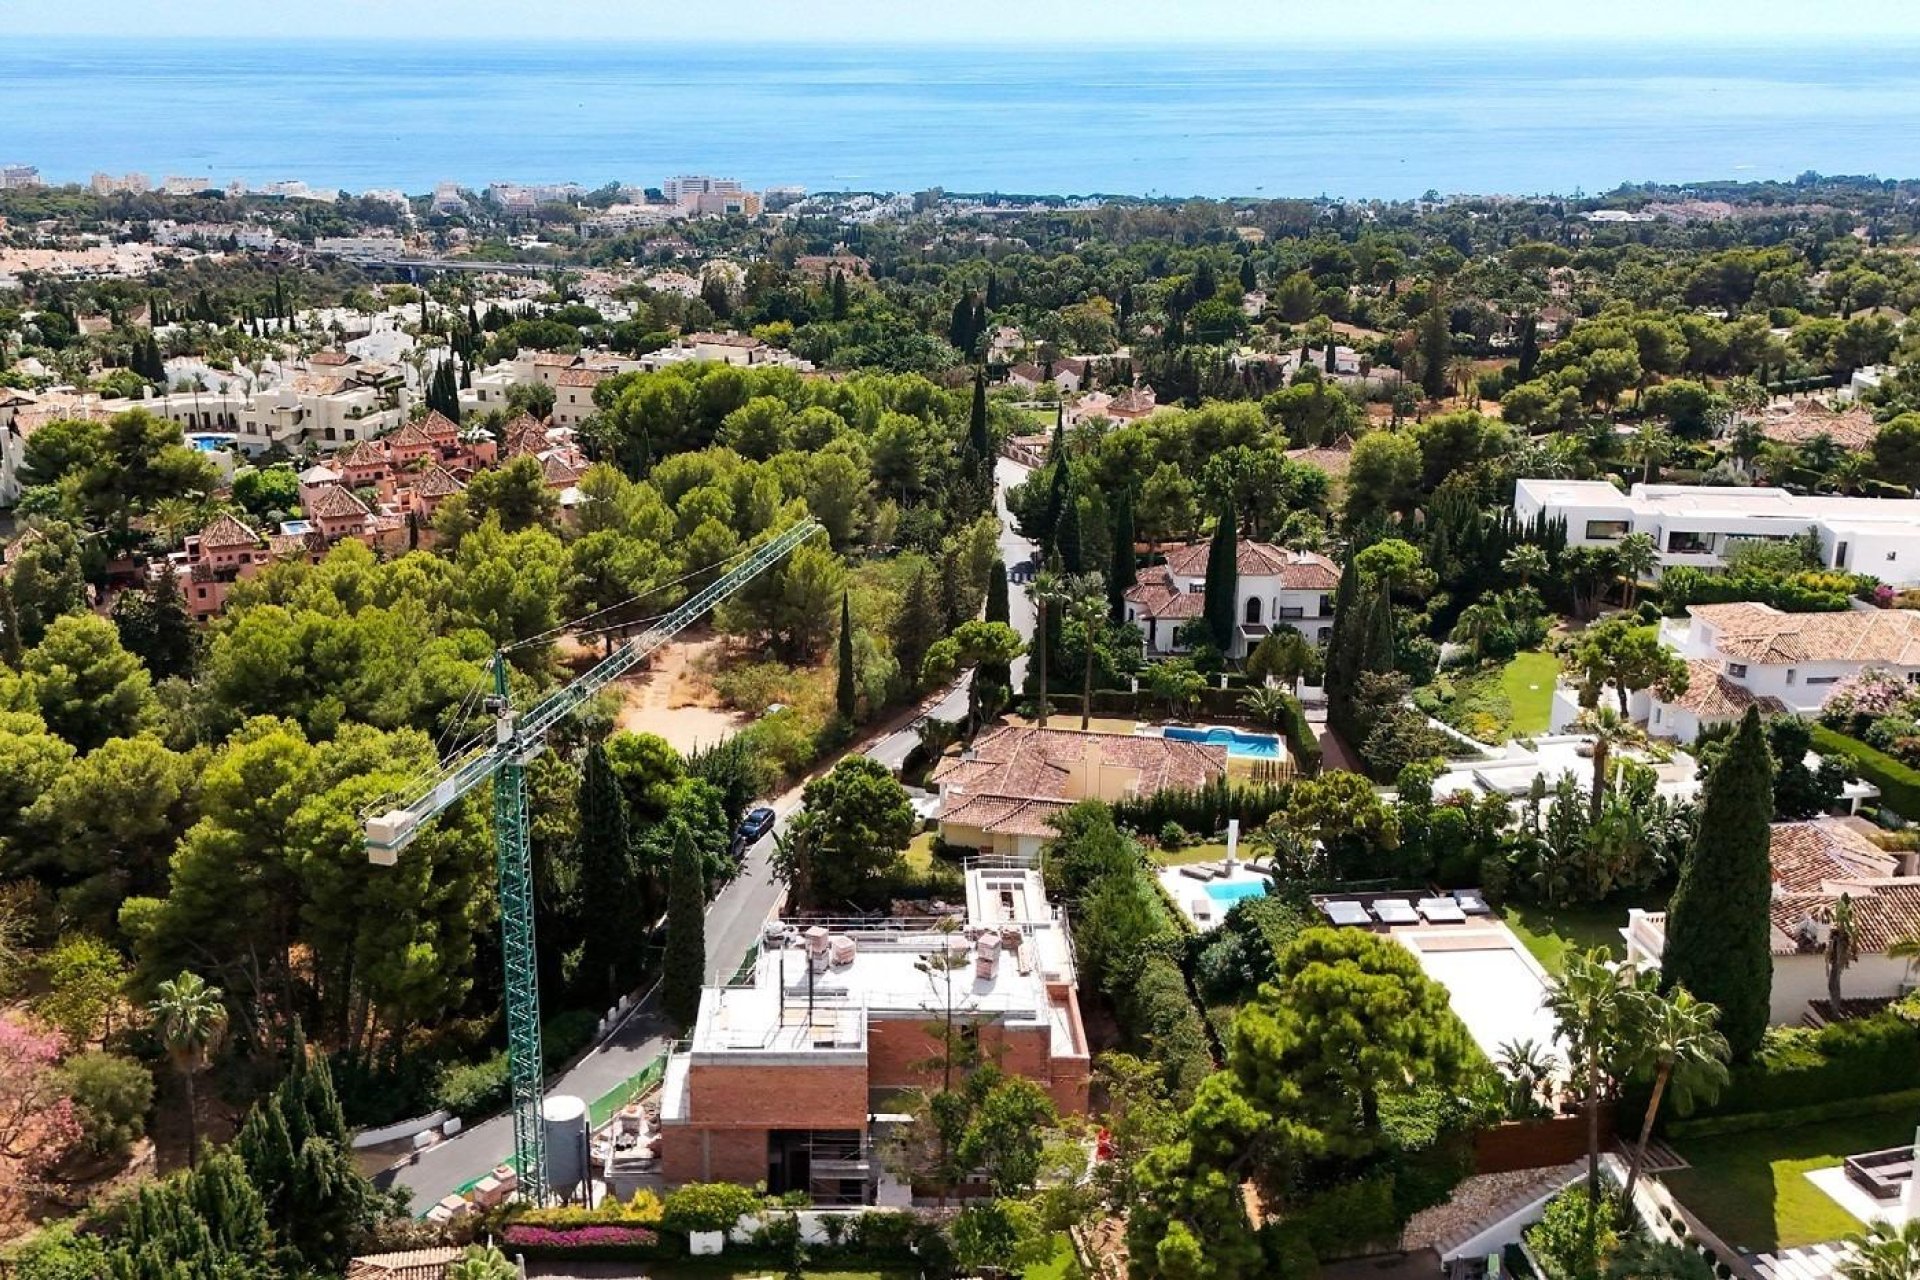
37, 1123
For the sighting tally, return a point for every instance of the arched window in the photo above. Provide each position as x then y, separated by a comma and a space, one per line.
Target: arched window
1253, 608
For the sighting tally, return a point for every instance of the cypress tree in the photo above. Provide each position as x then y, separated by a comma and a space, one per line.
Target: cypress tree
11, 647
1376, 638
839, 296
846, 692
1124, 571
1249, 275
960, 325
1339, 675
977, 434
1069, 538
917, 626
1223, 579
686, 959
1717, 924
998, 675
1529, 347
1059, 495
607, 874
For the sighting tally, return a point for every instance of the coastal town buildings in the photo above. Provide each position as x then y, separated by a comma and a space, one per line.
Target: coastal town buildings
1697, 526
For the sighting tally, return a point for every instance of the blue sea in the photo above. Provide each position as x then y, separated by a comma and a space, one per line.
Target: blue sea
1392, 121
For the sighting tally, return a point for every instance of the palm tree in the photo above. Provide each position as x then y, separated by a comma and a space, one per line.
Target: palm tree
1609, 729
1593, 1012
1843, 948
1885, 1252
1637, 555
1087, 605
1476, 623
1688, 1055
1528, 1067
1524, 560
1908, 949
191, 1019
1267, 704
1653, 445
1048, 589
1461, 373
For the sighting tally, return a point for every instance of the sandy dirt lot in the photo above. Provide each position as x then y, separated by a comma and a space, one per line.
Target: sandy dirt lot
670, 699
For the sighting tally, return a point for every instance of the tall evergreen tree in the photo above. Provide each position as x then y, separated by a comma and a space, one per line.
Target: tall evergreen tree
1529, 347
1717, 924
918, 624
977, 434
997, 674
154, 626
838, 296
1125, 570
1069, 537
11, 646
1249, 275
1223, 579
846, 691
608, 873
686, 959
1341, 670
298, 1154
1436, 346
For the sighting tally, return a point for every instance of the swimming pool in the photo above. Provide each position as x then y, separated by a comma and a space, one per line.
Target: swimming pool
1235, 890
1260, 746
208, 444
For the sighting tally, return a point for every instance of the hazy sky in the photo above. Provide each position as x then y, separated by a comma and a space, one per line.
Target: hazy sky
1055, 23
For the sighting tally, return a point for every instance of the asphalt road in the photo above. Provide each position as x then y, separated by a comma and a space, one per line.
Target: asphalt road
734, 920
892, 750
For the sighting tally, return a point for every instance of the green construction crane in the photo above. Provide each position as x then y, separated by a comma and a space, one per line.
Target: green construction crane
517, 739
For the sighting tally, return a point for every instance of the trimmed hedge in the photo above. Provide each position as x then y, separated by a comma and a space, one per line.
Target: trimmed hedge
1899, 783
1204, 810
1302, 741
1840, 1063
1907, 1100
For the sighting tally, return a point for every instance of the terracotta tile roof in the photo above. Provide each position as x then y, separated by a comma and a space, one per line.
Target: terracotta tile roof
558, 471
1749, 632
1712, 695
1135, 400
742, 340
410, 435
334, 502
1026, 371
1158, 597
408, 1264
1885, 910
436, 482
316, 384
1297, 570
1005, 815
1805, 855
555, 359
523, 434
330, 359
581, 377
228, 531
1852, 428
365, 455
13, 550
1040, 764
438, 427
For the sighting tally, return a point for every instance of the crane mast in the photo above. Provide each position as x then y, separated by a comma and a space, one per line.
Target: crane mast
517, 739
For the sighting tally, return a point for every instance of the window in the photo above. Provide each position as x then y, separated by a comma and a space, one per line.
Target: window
1195, 588
1656, 714
1253, 608
1607, 530
1736, 669
1893, 555
1840, 557
1792, 675
1684, 543
1823, 679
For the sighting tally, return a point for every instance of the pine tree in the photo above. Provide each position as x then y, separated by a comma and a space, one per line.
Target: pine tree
846, 691
1717, 924
1221, 609
607, 874
917, 626
11, 646
1124, 571
686, 959
154, 626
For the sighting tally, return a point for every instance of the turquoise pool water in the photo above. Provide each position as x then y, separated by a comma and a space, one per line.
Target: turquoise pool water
1261, 746
1237, 890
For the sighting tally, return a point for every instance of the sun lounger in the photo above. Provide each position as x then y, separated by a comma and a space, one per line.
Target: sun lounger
1345, 914
1471, 902
1442, 911
1395, 911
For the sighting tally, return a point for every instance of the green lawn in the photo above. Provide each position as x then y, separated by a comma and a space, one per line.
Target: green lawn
1751, 1188
919, 852
1550, 932
1528, 683
1060, 1266
1212, 851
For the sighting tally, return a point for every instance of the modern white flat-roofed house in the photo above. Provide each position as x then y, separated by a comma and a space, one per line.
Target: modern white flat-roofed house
1813, 864
1277, 587
1743, 654
1695, 525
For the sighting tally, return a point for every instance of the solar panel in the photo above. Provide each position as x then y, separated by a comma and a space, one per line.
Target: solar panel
1442, 911
1395, 911
1345, 913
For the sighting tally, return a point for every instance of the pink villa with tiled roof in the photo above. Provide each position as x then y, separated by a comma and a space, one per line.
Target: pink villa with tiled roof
1277, 587
214, 559
999, 794
1814, 864
1745, 654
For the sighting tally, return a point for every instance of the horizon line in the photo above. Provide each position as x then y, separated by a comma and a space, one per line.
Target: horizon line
1273, 41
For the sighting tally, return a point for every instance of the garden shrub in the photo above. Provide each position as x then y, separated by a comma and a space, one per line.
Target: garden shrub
1841, 1062
1568, 1240
470, 1089
709, 1206
1302, 741
110, 1096
1899, 783
1349, 1219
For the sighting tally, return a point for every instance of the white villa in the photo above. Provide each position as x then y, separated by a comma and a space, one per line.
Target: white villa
1739, 655
1814, 863
1276, 587
1696, 526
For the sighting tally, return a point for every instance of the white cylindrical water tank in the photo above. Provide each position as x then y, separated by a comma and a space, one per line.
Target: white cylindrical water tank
563, 1117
